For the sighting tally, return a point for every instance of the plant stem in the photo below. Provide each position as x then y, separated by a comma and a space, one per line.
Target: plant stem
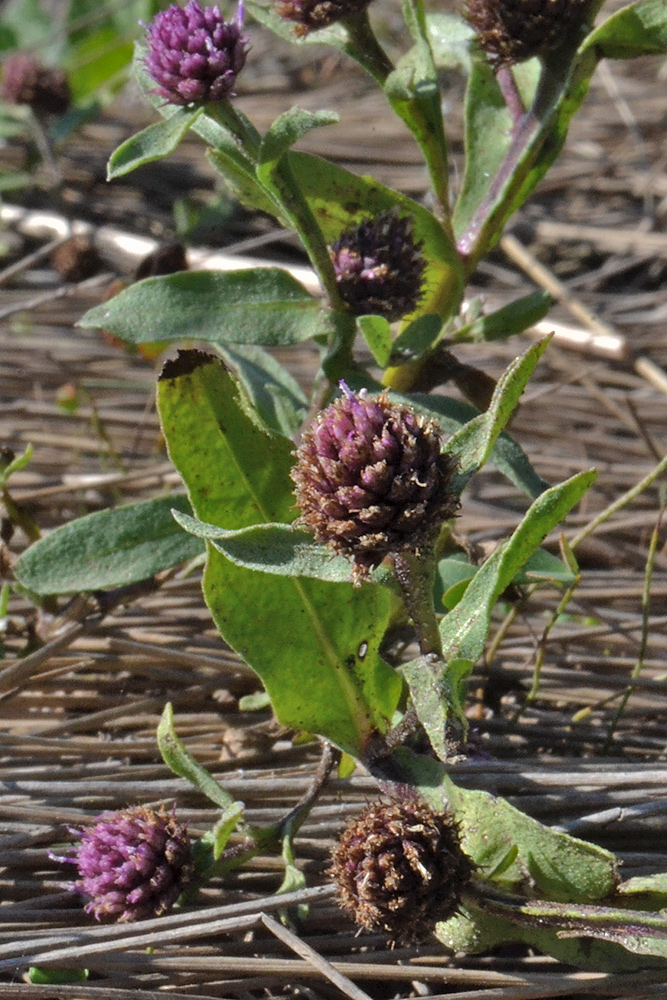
415, 575
510, 92
365, 49
643, 644
330, 759
225, 114
619, 504
299, 213
419, 108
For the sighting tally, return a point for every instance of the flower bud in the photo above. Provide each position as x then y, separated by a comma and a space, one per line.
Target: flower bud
133, 864
193, 54
399, 867
371, 479
379, 267
26, 81
510, 31
310, 15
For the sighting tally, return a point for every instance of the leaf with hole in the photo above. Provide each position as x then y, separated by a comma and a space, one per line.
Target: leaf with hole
314, 644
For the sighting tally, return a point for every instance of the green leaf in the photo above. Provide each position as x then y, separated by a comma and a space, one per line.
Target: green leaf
110, 548
214, 841
474, 443
56, 977
15, 465
288, 128
314, 644
637, 30
465, 629
451, 41
241, 181
646, 884
32, 27
182, 763
256, 306
152, 143
279, 549
510, 319
276, 396
507, 456
437, 695
473, 931
98, 60
545, 863
488, 133
542, 566
454, 573
376, 331
341, 200
416, 338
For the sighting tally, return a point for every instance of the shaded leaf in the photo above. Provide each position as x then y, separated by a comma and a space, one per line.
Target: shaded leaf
341, 200
465, 629
474, 442
507, 456
376, 331
273, 392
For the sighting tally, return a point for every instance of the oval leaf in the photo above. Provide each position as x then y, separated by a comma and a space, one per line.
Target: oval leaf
257, 306
153, 143
110, 548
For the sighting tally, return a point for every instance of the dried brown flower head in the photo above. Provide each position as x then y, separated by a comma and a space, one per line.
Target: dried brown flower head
309, 15
399, 867
25, 80
510, 31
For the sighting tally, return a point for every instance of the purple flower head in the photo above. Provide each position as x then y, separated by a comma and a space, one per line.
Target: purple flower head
26, 81
371, 479
132, 864
194, 55
379, 267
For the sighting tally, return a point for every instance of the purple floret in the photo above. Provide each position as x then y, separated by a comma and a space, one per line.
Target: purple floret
194, 55
132, 864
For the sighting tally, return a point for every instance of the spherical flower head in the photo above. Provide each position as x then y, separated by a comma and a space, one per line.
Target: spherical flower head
371, 479
26, 81
510, 31
194, 56
379, 267
132, 864
309, 15
399, 867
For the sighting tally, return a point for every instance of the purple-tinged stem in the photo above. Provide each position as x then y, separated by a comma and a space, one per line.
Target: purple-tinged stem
510, 91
